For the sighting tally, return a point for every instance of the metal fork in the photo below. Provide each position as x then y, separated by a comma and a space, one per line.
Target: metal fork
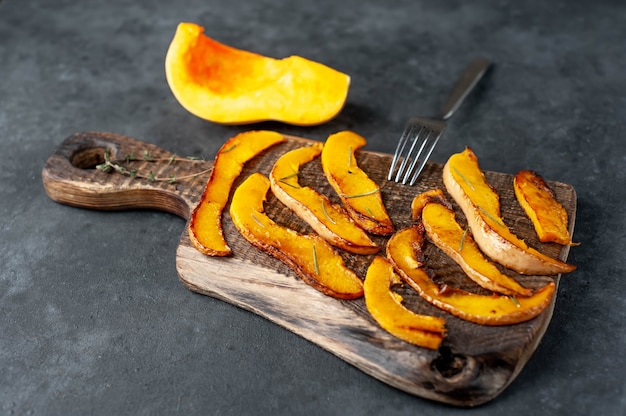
423, 133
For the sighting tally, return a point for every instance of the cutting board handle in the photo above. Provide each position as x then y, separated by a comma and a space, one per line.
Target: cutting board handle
136, 175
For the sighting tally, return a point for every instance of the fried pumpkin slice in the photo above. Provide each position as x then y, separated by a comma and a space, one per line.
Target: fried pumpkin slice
358, 193
205, 225
329, 220
309, 256
431, 196
445, 232
480, 203
539, 202
405, 252
386, 308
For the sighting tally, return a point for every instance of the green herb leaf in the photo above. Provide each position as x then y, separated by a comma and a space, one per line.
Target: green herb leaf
228, 149
257, 220
289, 176
463, 239
464, 178
326, 213
104, 167
491, 217
360, 195
289, 184
315, 263
515, 301
147, 156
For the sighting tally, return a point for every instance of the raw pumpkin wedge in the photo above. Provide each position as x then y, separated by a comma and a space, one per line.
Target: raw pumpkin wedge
405, 252
539, 202
358, 193
480, 203
329, 220
226, 85
205, 225
386, 308
446, 233
309, 256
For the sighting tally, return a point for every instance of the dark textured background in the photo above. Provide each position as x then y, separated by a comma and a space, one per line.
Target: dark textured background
93, 319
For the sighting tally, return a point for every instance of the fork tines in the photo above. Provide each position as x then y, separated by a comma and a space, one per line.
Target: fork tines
419, 140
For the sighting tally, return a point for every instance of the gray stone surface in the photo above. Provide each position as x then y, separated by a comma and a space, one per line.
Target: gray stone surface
93, 319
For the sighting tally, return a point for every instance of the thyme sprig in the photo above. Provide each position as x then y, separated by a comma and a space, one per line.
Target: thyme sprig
515, 301
463, 239
110, 165
284, 179
464, 178
315, 263
360, 195
490, 216
258, 221
326, 214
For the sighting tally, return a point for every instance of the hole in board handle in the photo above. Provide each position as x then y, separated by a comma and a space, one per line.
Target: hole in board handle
89, 157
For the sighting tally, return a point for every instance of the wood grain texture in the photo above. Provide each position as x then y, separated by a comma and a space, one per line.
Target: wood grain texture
475, 364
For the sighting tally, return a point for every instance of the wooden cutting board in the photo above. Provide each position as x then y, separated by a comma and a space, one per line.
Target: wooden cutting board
474, 364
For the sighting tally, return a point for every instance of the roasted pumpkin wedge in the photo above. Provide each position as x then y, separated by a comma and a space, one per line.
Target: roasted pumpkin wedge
405, 252
427, 197
539, 202
309, 256
358, 193
467, 185
329, 220
205, 225
443, 230
226, 85
387, 309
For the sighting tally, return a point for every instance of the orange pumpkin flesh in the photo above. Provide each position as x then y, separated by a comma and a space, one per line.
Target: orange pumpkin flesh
480, 203
538, 201
329, 220
309, 256
386, 308
226, 85
359, 194
205, 225
404, 251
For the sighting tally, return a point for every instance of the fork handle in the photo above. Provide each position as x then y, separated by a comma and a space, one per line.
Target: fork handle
464, 86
